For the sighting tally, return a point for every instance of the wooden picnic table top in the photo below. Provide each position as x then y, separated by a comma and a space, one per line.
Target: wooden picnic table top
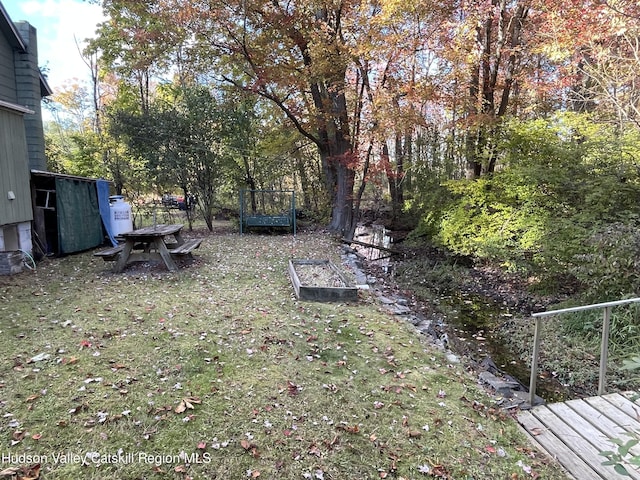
154, 231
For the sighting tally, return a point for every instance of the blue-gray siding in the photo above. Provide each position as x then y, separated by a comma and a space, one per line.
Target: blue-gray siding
14, 170
7, 72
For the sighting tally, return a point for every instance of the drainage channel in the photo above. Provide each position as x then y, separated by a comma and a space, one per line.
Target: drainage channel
475, 322
472, 324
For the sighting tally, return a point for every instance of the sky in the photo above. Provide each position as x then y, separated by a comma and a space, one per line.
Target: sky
61, 25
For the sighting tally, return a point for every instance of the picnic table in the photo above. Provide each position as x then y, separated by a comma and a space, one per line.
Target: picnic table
158, 242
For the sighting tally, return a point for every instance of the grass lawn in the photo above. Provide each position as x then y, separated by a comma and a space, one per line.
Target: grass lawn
217, 371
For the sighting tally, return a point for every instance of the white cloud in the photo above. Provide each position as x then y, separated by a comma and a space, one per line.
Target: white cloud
63, 27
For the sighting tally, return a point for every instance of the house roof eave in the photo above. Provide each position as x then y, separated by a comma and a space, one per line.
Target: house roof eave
9, 30
45, 89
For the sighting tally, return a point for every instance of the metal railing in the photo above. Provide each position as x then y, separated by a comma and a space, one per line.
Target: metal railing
604, 342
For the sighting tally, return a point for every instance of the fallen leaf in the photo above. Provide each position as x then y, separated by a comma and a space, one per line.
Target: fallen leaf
187, 403
77, 409
38, 358
332, 443
31, 472
349, 428
250, 447
314, 450
439, 471
293, 389
9, 472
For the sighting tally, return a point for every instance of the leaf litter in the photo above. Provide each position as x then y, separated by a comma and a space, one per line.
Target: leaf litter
328, 390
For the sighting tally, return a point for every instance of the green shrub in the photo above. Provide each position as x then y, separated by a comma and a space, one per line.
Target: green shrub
560, 182
609, 263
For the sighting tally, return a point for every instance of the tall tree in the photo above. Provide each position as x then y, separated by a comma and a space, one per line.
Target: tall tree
183, 136
139, 42
294, 54
497, 28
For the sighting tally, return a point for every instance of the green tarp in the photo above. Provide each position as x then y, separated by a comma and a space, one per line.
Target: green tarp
79, 223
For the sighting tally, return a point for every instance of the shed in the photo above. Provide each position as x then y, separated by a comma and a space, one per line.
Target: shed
66, 212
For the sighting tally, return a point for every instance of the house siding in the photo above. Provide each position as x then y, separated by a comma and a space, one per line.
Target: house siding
7, 75
22, 87
15, 172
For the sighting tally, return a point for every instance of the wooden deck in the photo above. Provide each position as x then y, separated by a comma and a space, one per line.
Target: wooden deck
576, 431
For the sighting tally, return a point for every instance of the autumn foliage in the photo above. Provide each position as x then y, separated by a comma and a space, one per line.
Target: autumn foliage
390, 94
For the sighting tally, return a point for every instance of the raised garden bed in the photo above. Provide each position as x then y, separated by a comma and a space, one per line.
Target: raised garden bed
320, 281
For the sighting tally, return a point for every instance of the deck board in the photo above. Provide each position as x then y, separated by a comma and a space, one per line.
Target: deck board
556, 448
624, 404
576, 431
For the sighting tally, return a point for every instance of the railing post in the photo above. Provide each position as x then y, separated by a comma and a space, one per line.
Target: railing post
604, 351
534, 360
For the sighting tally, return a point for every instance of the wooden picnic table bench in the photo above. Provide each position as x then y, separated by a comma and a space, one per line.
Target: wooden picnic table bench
186, 248
109, 254
150, 243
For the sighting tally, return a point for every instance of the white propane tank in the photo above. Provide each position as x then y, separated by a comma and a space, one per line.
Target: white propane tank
120, 214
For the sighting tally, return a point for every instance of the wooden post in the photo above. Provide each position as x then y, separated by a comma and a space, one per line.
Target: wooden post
604, 351
293, 210
534, 360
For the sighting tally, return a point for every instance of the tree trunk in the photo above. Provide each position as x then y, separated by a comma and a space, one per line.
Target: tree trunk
338, 159
473, 166
185, 193
484, 82
394, 175
342, 218
305, 184
339, 181
358, 199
